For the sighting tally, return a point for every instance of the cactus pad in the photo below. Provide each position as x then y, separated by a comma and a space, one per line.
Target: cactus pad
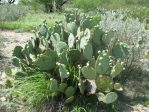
70, 91
104, 83
89, 72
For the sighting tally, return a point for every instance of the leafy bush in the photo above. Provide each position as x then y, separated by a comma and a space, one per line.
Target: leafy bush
12, 12
144, 2
79, 58
86, 4
130, 30
45, 5
34, 90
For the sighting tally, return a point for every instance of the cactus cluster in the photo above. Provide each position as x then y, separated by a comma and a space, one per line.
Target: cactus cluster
72, 52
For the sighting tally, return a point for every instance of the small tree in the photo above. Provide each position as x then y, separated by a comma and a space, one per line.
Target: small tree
11, 1
53, 5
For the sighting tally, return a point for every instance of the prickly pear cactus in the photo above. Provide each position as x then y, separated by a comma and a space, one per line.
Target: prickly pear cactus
72, 53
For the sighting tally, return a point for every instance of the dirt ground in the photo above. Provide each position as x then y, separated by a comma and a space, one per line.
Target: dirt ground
11, 39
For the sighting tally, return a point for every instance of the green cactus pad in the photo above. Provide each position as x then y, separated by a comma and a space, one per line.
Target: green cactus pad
100, 96
117, 69
62, 87
70, 91
111, 97
52, 54
120, 50
92, 62
19, 75
88, 51
31, 47
104, 83
89, 72
57, 28
69, 100
8, 72
81, 87
86, 23
45, 63
74, 55
118, 87
63, 71
15, 62
63, 58
107, 37
97, 35
55, 38
102, 64
60, 47
72, 28
43, 30
17, 52
54, 85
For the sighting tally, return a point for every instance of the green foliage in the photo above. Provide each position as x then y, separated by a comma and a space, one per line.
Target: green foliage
12, 12
86, 4
45, 5
30, 21
70, 67
34, 90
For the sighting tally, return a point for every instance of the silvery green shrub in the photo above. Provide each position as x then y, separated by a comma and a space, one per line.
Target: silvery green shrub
129, 30
12, 12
